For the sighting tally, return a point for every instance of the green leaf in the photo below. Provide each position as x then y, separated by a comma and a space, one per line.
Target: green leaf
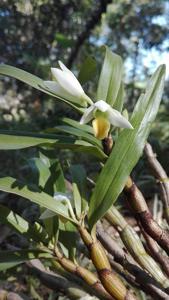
8, 265
76, 124
42, 170
58, 176
79, 133
110, 77
77, 199
68, 238
85, 147
9, 259
18, 140
31, 80
11, 140
11, 185
35, 232
79, 187
51, 178
49, 172
52, 227
127, 149
118, 104
87, 70
21, 75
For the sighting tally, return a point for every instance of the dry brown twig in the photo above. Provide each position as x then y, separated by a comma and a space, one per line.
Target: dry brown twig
156, 252
137, 201
161, 176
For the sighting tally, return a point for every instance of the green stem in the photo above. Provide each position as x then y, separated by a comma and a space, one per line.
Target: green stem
135, 247
111, 282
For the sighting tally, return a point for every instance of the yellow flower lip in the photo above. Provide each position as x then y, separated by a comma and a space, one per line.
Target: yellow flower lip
101, 127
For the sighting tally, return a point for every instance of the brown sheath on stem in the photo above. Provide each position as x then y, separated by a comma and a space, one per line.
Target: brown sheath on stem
135, 247
135, 275
155, 251
139, 205
111, 282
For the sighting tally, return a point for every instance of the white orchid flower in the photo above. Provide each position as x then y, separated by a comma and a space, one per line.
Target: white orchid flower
103, 115
65, 199
67, 86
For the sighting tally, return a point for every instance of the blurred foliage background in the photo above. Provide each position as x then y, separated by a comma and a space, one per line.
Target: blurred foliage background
35, 34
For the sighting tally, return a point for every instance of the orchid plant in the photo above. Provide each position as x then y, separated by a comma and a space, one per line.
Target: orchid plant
67, 211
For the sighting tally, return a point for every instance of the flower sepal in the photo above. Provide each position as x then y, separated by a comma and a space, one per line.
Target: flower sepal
65, 85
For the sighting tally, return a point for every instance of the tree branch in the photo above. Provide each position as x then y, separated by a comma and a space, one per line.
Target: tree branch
139, 205
56, 282
100, 7
160, 175
155, 251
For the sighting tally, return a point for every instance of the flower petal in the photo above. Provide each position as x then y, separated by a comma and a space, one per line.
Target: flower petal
68, 81
58, 90
55, 88
62, 196
88, 115
64, 68
116, 119
102, 105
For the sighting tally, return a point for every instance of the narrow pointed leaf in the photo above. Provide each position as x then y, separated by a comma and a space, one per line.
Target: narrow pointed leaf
77, 199
51, 178
68, 238
9, 259
110, 77
79, 133
18, 140
127, 149
42, 170
118, 104
76, 124
32, 80
11, 140
11, 185
35, 232
79, 187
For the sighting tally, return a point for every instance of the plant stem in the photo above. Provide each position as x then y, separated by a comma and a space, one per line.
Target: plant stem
111, 282
90, 278
160, 175
135, 246
156, 252
139, 205
139, 276
57, 282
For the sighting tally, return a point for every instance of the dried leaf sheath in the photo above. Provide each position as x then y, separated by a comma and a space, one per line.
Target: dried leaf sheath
134, 275
135, 246
90, 278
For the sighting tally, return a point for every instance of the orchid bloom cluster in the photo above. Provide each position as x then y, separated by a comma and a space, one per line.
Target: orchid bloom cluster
102, 115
